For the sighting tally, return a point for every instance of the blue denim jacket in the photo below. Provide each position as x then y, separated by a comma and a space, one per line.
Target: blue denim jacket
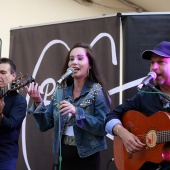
88, 122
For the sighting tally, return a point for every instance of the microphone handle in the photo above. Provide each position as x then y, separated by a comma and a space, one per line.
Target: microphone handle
59, 81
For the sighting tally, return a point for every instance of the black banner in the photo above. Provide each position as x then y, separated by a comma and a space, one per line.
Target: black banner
140, 32
41, 51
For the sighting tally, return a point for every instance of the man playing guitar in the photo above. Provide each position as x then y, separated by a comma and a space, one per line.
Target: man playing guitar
148, 102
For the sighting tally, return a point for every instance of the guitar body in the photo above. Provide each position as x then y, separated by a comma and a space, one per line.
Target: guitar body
139, 124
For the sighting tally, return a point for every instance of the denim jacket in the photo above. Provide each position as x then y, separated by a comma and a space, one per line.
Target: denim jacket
88, 122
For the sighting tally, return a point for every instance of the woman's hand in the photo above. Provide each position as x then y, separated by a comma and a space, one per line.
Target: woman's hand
66, 108
34, 92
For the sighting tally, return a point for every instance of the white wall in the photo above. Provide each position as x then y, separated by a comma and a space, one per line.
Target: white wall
15, 13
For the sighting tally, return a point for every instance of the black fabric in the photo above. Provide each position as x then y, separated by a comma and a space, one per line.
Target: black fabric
74, 162
14, 112
149, 166
153, 166
165, 166
140, 33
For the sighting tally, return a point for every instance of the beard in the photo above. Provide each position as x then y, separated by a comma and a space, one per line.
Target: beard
159, 83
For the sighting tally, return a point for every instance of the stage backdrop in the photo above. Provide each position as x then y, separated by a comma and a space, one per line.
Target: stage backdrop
40, 51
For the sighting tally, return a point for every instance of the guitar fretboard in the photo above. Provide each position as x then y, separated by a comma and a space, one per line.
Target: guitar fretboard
4, 90
163, 136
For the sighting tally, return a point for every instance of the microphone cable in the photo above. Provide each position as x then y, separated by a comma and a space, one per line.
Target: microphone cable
156, 91
111, 160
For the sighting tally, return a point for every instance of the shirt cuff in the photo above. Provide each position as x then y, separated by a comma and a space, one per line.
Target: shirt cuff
111, 124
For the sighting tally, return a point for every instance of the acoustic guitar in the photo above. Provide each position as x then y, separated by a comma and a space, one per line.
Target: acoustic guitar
154, 131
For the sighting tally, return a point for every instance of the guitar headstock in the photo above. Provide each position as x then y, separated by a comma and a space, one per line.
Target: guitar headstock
21, 82
16, 84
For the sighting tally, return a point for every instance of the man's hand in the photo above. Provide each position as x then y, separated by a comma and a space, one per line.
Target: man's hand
130, 141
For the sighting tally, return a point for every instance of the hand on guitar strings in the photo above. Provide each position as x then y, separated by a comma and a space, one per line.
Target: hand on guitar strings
131, 142
2, 104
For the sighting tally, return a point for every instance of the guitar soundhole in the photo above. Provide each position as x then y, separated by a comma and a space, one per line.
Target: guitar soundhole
151, 138
166, 152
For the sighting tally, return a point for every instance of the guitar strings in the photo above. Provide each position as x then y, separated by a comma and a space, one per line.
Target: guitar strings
162, 136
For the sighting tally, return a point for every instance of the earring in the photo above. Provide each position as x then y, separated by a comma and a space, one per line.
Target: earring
88, 72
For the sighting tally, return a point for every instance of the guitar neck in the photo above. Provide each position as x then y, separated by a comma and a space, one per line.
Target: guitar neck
4, 91
18, 83
163, 136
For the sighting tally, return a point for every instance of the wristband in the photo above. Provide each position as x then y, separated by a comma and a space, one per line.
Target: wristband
117, 130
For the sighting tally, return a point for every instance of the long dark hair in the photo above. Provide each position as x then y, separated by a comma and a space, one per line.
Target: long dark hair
94, 72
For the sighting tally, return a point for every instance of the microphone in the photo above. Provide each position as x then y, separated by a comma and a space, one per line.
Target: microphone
68, 73
149, 77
